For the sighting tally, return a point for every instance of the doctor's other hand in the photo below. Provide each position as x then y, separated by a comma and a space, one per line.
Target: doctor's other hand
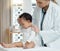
35, 28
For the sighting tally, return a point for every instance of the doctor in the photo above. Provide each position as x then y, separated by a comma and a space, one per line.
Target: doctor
46, 16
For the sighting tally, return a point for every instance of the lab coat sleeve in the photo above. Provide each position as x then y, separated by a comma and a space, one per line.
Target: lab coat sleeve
53, 34
34, 17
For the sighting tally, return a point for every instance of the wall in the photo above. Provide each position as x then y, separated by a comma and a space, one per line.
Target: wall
0, 17
5, 16
27, 6
4, 19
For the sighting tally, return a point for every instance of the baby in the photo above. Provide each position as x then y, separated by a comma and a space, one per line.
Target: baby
31, 37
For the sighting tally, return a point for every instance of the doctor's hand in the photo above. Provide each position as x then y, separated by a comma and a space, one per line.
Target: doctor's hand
35, 28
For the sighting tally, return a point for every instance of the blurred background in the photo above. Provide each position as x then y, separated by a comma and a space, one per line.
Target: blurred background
9, 12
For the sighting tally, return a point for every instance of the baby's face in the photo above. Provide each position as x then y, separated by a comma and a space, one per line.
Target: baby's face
24, 23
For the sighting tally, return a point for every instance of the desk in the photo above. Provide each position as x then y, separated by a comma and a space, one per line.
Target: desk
33, 49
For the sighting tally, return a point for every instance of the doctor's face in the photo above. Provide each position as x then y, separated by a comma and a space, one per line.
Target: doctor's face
42, 3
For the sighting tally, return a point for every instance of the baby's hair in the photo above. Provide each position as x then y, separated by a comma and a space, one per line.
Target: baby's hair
26, 16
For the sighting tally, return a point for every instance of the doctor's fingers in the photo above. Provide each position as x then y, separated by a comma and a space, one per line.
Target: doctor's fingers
36, 29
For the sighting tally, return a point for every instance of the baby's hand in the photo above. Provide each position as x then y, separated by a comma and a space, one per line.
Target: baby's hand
1, 44
29, 44
5, 45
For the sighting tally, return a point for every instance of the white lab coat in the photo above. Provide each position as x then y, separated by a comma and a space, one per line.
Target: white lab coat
51, 23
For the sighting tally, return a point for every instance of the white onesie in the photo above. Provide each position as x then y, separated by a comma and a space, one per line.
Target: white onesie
30, 35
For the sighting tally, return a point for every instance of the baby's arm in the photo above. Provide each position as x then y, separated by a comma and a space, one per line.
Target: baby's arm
18, 44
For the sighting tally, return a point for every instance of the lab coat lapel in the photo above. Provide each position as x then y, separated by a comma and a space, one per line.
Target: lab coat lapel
48, 18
